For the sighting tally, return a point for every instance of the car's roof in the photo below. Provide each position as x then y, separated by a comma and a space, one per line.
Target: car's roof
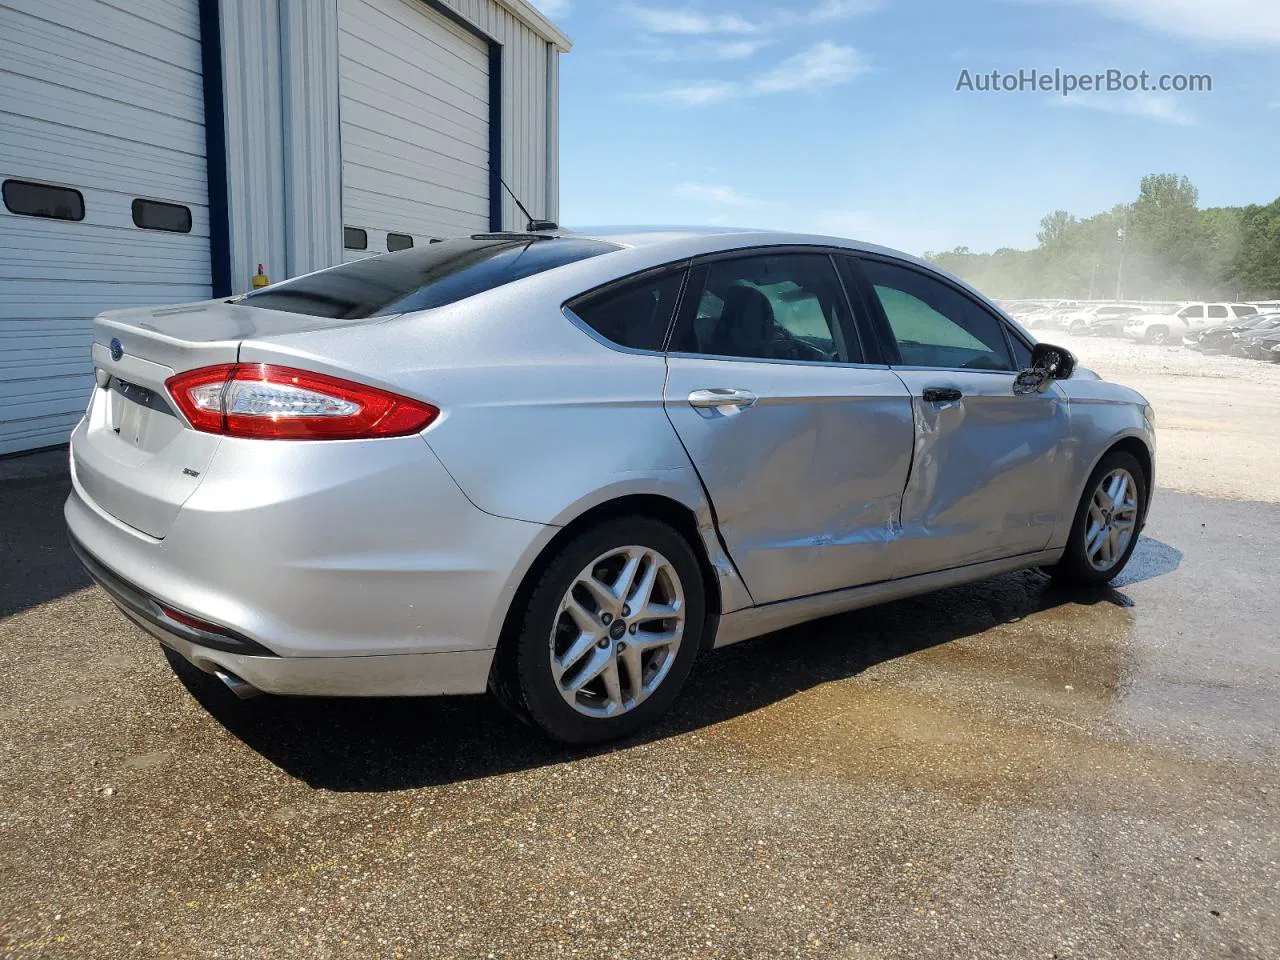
716, 238
646, 246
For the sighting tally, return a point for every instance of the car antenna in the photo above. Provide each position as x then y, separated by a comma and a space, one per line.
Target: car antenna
533, 226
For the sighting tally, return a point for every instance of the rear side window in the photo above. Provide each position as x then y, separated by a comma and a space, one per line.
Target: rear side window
399, 241
783, 306
42, 200
432, 275
1244, 310
634, 314
1217, 311
155, 215
935, 325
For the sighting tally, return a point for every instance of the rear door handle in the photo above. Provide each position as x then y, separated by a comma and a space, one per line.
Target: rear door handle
724, 399
941, 394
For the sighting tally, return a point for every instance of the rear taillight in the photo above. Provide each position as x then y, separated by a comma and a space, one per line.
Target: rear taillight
279, 403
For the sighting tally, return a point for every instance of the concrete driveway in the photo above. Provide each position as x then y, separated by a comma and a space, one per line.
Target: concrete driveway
996, 770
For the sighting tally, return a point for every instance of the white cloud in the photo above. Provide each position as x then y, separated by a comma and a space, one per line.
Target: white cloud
729, 49
1252, 23
830, 10
825, 64
715, 193
554, 8
1166, 109
690, 22
696, 94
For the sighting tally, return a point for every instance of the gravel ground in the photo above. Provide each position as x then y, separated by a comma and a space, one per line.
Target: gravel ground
1216, 416
1000, 770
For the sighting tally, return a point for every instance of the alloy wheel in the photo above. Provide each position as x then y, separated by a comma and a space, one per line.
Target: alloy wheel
1113, 520
617, 631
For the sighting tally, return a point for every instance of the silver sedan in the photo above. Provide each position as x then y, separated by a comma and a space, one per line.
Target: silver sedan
557, 466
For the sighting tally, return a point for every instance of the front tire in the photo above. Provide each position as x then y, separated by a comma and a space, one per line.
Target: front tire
609, 634
1158, 335
1104, 532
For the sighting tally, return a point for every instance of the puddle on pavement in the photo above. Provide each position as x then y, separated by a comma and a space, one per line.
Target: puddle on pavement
993, 706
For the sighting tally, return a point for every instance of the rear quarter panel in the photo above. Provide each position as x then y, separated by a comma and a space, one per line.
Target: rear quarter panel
539, 421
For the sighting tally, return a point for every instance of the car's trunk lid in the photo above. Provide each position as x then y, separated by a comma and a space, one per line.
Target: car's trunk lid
134, 455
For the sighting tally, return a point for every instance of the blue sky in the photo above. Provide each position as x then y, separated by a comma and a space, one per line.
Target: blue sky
842, 117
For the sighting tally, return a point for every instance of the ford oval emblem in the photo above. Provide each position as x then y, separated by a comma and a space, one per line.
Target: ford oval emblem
117, 349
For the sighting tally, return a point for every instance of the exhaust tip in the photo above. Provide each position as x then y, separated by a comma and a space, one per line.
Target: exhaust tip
241, 688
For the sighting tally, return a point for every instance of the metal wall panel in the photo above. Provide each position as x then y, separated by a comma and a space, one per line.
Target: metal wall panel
529, 156
312, 151
414, 105
106, 99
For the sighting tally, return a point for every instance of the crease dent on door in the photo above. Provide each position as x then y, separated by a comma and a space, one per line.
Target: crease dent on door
986, 475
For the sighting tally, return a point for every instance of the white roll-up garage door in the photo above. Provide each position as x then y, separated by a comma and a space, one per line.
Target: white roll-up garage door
414, 89
105, 198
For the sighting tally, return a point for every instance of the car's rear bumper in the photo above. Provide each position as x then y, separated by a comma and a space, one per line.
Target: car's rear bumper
250, 667
326, 569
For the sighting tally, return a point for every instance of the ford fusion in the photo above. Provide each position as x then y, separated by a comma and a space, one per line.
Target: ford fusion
558, 466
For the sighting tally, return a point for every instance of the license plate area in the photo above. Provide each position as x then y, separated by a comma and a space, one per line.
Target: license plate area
138, 415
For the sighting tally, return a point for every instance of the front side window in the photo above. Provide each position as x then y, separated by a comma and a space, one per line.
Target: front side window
1217, 312
1192, 313
934, 324
1021, 353
432, 275
773, 307
634, 314
398, 241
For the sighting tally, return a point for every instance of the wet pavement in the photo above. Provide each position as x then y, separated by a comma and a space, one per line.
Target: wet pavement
1003, 769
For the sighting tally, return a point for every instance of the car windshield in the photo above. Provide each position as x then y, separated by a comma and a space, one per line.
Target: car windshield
423, 277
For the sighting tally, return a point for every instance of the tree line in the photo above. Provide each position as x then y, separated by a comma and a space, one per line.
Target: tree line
1161, 246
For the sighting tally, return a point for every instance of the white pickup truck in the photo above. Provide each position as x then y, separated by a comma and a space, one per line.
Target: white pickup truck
1171, 327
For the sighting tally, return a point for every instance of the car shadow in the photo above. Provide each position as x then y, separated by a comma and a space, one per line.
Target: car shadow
395, 744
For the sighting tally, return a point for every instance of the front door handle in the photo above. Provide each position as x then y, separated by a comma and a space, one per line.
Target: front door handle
724, 399
941, 394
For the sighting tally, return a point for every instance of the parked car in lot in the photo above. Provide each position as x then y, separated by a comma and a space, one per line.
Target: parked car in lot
1059, 317
1102, 321
1222, 337
1254, 343
1172, 326
558, 466
1028, 314
1268, 347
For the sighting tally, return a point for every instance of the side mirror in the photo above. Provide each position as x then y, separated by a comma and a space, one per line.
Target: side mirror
1048, 363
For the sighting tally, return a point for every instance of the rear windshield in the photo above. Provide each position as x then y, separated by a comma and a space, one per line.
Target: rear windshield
423, 277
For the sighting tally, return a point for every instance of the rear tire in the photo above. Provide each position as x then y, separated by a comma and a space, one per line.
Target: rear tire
1096, 550
573, 626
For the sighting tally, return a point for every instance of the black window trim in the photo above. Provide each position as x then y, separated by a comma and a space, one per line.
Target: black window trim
50, 185
833, 254
133, 213
649, 273
889, 343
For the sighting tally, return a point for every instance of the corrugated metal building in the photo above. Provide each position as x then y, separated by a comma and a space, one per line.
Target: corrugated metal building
158, 151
